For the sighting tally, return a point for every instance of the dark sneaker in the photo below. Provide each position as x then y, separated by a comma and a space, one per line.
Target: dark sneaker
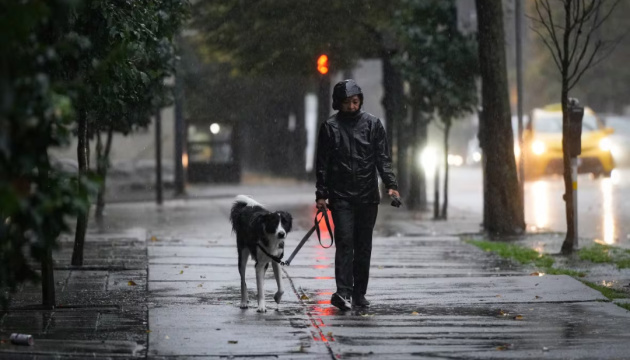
360, 301
341, 302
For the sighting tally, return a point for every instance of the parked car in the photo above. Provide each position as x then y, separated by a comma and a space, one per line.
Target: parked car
542, 144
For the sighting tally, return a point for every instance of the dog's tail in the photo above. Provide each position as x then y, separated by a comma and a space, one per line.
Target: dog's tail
241, 202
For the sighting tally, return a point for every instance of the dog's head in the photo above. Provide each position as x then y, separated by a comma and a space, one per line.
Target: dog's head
277, 224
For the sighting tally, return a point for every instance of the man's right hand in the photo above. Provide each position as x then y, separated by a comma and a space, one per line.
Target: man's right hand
321, 204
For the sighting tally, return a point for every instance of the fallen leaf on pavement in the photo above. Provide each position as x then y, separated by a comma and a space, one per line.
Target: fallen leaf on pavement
148, 331
329, 334
535, 274
232, 342
414, 313
181, 272
501, 348
166, 337
153, 238
538, 297
498, 296
131, 283
518, 317
200, 285
304, 297
503, 313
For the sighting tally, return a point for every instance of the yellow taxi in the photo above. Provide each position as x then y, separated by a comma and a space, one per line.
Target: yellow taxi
542, 143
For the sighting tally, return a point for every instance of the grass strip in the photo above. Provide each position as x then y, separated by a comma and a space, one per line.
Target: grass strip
515, 252
596, 253
606, 291
606, 254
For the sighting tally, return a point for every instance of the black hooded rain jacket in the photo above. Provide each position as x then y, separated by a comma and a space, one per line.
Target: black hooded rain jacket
351, 148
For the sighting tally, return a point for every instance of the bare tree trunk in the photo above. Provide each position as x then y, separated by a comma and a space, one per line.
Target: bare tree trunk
102, 165
84, 163
447, 130
569, 240
501, 200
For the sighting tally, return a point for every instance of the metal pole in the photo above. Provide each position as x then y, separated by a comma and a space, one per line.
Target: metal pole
519, 93
323, 99
574, 172
158, 157
179, 136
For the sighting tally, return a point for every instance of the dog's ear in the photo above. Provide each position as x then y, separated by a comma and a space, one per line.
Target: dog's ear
287, 220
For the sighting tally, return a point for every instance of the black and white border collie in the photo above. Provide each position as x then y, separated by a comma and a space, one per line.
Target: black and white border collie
256, 226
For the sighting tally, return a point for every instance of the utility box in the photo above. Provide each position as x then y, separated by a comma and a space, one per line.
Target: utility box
576, 114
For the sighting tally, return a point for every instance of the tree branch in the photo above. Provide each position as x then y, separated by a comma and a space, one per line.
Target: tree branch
593, 10
553, 54
573, 79
551, 28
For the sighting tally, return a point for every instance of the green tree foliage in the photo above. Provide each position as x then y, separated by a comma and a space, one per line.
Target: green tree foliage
122, 77
440, 64
284, 37
36, 112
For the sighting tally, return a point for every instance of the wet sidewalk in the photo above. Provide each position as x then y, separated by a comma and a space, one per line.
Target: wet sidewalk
433, 296
101, 307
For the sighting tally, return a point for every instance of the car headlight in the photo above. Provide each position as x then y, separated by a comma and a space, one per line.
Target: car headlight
605, 144
538, 147
476, 156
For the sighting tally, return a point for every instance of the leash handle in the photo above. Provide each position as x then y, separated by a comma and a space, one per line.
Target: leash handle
309, 233
319, 236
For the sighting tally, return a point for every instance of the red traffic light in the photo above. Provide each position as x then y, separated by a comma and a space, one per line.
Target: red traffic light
322, 64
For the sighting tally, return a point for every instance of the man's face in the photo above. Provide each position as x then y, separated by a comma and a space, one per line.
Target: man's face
351, 104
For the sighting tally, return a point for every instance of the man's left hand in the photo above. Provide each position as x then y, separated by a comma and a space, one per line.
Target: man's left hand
393, 192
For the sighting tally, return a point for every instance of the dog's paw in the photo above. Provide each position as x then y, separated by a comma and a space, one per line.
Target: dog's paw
262, 309
278, 296
244, 306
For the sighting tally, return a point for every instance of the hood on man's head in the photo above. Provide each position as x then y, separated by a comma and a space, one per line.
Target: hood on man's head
345, 89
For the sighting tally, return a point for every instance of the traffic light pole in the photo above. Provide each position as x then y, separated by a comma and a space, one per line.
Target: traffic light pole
323, 99
158, 157
179, 136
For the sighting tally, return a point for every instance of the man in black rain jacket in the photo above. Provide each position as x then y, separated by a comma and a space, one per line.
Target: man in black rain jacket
352, 151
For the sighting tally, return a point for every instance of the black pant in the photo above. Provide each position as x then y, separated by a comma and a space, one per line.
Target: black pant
354, 224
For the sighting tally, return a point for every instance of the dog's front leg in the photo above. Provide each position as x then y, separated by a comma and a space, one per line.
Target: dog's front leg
260, 282
277, 272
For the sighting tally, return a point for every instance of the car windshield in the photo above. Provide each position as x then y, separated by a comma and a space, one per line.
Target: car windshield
551, 122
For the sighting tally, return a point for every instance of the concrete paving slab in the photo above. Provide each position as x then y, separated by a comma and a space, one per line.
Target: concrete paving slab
480, 331
230, 331
62, 349
473, 290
